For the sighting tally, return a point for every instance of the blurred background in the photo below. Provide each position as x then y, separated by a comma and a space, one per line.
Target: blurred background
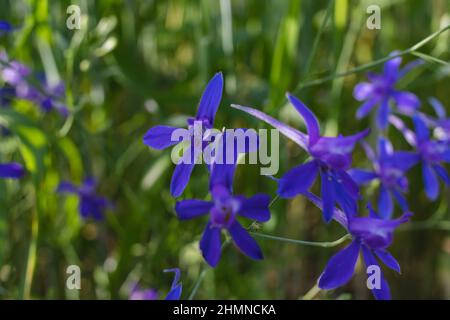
136, 64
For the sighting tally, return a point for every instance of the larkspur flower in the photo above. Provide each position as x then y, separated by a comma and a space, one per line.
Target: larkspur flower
433, 153
372, 236
223, 212
331, 157
389, 169
159, 137
91, 204
151, 294
381, 91
11, 170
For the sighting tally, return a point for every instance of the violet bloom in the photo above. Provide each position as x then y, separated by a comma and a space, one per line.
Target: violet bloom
331, 157
372, 236
91, 204
381, 91
433, 153
11, 170
389, 168
151, 294
223, 211
160, 137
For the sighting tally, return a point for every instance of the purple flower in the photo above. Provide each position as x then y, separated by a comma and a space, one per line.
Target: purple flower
151, 294
5, 27
381, 91
432, 153
331, 157
11, 170
389, 168
223, 209
159, 137
91, 204
372, 236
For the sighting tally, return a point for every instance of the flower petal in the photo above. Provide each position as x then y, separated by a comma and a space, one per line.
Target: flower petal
297, 180
391, 68
346, 197
422, 132
361, 176
210, 244
442, 173
384, 292
160, 137
256, 208
388, 260
296, 136
176, 287
407, 102
65, 186
431, 182
365, 108
383, 114
211, 98
340, 268
244, 241
183, 171
188, 209
5, 26
385, 205
11, 170
310, 119
438, 107
363, 91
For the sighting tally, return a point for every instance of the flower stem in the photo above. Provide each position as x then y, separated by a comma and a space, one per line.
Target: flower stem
197, 283
306, 243
311, 293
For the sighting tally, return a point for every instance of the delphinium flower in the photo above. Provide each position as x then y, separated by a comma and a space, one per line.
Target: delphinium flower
11, 170
389, 169
151, 294
159, 137
223, 209
91, 204
48, 96
372, 236
381, 90
331, 157
433, 153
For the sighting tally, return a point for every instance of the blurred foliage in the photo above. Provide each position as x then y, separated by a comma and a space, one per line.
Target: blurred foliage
135, 64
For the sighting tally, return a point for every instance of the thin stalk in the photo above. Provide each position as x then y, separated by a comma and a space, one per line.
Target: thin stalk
305, 243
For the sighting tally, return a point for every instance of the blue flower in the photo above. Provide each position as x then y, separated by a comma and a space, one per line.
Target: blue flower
381, 90
11, 170
151, 294
91, 204
372, 236
159, 137
331, 157
223, 209
389, 168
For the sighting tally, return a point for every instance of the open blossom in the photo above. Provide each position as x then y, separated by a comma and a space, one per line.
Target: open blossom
223, 209
372, 236
151, 294
389, 168
160, 137
433, 153
381, 91
91, 204
331, 157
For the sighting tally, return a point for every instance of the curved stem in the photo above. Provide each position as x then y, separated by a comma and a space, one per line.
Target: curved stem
306, 243
197, 284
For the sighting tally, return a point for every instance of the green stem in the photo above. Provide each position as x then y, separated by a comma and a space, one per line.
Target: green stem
306, 243
197, 284
311, 293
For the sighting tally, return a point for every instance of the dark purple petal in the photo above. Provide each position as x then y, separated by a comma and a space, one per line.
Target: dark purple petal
160, 137
346, 198
430, 181
256, 208
293, 134
407, 102
183, 171
383, 114
210, 244
442, 173
363, 91
327, 193
385, 205
340, 268
365, 108
211, 98
188, 209
297, 180
310, 119
422, 132
391, 68
244, 241
384, 148
388, 260
361, 176
66, 187
11, 170
403, 160
383, 293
